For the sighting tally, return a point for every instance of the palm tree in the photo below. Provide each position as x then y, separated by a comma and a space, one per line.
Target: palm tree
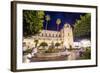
47, 20
47, 17
58, 21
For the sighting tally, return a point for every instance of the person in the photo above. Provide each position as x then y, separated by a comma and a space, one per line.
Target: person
24, 46
27, 58
34, 51
81, 51
65, 52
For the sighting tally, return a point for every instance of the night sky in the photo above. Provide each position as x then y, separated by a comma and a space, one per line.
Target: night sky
66, 17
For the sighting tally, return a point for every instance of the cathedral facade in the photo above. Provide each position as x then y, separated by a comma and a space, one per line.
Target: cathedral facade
64, 36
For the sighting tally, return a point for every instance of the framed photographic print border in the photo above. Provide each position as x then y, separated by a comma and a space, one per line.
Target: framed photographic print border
14, 35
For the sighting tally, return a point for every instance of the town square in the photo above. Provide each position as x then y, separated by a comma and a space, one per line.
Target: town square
56, 36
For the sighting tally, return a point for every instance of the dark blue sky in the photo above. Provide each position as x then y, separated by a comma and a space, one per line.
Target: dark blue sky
66, 17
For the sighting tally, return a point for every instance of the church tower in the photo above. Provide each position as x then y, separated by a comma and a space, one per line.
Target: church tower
67, 36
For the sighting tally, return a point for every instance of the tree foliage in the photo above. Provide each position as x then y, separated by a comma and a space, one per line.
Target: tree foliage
43, 44
57, 44
32, 22
82, 27
58, 21
36, 42
47, 17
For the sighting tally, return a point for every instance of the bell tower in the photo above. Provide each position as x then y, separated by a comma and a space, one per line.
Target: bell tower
67, 36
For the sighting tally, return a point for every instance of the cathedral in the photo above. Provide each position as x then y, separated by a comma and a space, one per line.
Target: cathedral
64, 36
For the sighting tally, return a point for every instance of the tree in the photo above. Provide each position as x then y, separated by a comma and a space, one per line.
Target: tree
47, 17
36, 42
57, 44
62, 43
47, 20
58, 21
43, 44
52, 45
32, 22
82, 27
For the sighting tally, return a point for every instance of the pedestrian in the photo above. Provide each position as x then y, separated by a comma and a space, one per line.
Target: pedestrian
81, 51
34, 51
27, 58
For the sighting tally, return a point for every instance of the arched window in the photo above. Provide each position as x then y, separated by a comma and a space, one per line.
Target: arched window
59, 35
53, 35
42, 34
68, 26
56, 35
46, 34
49, 35
68, 34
